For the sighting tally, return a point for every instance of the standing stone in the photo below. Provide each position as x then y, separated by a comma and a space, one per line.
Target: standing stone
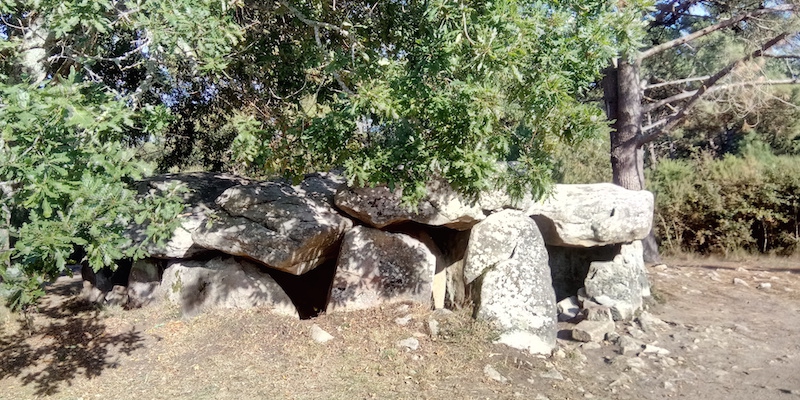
222, 283
376, 267
619, 284
289, 228
502, 236
507, 260
143, 282
593, 215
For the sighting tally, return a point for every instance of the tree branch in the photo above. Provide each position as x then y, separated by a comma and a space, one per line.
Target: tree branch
713, 28
686, 95
676, 118
677, 82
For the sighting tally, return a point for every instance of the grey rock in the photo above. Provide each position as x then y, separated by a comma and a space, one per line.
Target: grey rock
89, 293
502, 236
568, 308
289, 228
592, 331
376, 267
380, 207
650, 323
569, 265
223, 283
652, 349
143, 282
118, 296
433, 327
618, 283
596, 312
492, 374
200, 190
319, 335
411, 344
764, 285
515, 290
740, 282
593, 215
629, 345
402, 321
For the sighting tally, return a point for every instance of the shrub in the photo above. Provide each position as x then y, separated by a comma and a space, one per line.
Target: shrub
748, 202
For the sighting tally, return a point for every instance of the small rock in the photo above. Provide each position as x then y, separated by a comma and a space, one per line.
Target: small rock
740, 282
595, 312
741, 269
492, 374
118, 296
636, 362
650, 349
402, 321
90, 293
592, 331
411, 343
628, 345
552, 373
560, 354
612, 337
590, 346
650, 323
568, 308
433, 328
660, 267
765, 285
319, 335
668, 385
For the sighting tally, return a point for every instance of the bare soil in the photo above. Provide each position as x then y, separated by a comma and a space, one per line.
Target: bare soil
724, 341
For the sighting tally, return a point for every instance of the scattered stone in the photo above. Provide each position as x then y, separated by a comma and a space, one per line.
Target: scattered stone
650, 323
740, 282
560, 354
118, 296
411, 344
90, 293
741, 269
402, 321
765, 285
433, 327
568, 308
669, 386
636, 362
592, 331
660, 267
613, 337
595, 312
628, 345
651, 349
319, 335
552, 373
590, 346
492, 374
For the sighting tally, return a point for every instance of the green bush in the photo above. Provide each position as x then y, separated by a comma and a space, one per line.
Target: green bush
748, 202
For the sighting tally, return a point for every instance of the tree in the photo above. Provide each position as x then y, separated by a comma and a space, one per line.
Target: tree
650, 92
391, 92
76, 81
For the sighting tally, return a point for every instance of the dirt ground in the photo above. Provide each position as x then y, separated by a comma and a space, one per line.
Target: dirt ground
718, 340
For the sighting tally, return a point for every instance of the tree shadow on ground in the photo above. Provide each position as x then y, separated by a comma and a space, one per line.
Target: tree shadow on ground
70, 340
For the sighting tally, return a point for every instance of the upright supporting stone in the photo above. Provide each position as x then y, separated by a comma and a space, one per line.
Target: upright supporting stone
507, 260
620, 283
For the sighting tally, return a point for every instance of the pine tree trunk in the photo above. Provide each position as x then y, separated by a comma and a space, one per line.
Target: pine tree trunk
623, 98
